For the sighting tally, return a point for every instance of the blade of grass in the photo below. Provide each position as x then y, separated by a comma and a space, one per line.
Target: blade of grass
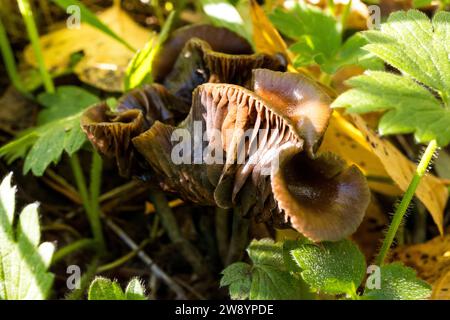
10, 63
27, 14
89, 17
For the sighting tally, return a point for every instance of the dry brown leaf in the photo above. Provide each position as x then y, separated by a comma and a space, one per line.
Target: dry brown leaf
441, 289
105, 59
265, 36
431, 190
432, 262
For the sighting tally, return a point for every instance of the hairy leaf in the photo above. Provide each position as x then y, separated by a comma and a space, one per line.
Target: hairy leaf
23, 261
399, 283
105, 289
267, 279
331, 267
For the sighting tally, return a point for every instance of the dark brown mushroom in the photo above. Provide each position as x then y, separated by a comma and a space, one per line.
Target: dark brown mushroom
220, 40
111, 132
198, 63
252, 130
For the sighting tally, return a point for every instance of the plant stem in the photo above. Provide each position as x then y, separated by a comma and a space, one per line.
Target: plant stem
10, 63
74, 246
239, 239
169, 222
407, 197
95, 187
27, 14
93, 215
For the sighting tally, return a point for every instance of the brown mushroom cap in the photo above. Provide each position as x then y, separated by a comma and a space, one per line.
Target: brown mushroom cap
198, 63
111, 132
300, 101
220, 39
324, 199
327, 209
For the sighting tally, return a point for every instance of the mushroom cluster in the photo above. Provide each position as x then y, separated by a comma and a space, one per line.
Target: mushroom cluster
225, 127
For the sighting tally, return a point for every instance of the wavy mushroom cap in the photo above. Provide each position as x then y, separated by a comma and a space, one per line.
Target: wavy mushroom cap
244, 132
324, 199
198, 63
220, 40
111, 132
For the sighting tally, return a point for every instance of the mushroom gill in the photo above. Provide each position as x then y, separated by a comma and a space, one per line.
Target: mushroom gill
194, 62
244, 148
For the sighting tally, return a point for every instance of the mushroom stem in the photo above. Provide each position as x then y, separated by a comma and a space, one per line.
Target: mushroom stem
169, 222
239, 238
404, 204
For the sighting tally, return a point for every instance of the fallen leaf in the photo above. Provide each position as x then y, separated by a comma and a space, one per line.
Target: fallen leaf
431, 191
265, 36
105, 59
432, 262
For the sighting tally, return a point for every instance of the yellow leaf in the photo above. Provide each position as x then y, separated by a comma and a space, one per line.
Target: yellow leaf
431, 191
431, 260
105, 59
265, 36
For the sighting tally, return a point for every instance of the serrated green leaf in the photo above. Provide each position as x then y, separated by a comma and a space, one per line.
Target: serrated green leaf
23, 262
399, 283
66, 101
238, 276
331, 267
106, 289
135, 290
319, 40
60, 130
267, 278
417, 101
307, 22
416, 46
411, 107
89, 17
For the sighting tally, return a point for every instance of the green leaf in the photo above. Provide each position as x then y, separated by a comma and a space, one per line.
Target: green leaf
23, 262
135, 290
319, 40
223, 14
331, 267
411, 107
416, 46
66, 101
140, 67
421, 3
239, 277
267, 279
59, 130
399, 283
417, 101
89, 17
105, 289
